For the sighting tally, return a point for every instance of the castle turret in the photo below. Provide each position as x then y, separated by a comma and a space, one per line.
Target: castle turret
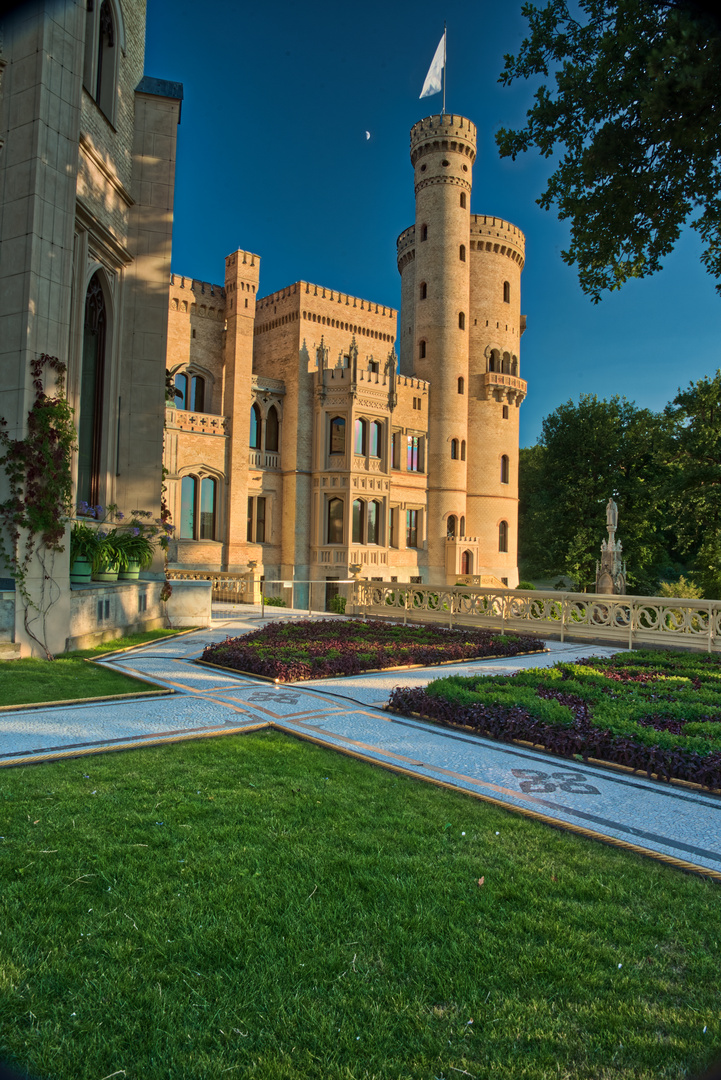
460, 329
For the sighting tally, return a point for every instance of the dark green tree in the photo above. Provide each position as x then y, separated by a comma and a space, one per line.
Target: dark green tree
694, 478
589, 452
630, 99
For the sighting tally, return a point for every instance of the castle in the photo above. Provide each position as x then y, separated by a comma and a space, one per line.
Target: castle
299, 439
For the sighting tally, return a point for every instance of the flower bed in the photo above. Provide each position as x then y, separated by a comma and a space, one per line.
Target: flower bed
658, 712
322, 649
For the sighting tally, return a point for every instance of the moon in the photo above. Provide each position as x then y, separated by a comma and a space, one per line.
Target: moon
368, 134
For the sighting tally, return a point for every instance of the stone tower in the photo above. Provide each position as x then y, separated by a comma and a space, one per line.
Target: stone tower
460, 329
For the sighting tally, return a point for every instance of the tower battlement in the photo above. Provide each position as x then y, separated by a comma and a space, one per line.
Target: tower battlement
446, 132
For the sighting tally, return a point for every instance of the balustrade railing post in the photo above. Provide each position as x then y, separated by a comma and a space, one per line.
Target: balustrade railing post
631, 612
563, 617
710, 626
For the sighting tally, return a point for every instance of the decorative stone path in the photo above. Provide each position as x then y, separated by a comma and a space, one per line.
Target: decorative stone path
676, 824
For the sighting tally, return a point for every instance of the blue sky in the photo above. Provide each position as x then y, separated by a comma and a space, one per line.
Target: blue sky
273, 158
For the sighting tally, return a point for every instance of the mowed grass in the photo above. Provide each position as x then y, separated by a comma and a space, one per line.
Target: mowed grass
27, 681
261, 907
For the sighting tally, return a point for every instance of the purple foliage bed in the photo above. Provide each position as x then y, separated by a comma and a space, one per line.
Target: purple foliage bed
321, 649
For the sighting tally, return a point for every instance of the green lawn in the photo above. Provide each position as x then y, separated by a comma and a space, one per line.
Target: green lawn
24, 682
260, 907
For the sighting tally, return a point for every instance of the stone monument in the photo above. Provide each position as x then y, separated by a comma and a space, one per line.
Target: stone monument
611, 570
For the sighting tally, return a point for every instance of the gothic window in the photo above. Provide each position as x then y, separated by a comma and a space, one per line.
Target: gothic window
396, 450
256, 428
454, 449
337, 435
361, 436
188, 487
462, 528
181, 391
197, 394
376, 438
504, 469
90, 424
463, 200
461, 320
461, 385
423, 290
506, 364
335, 521
462, 253
414, 463
271, 430
207, 508
503, 536
466, 563
463, 449
451, 526
421, 350
506, 292
358, 521
198, 508
104, 87
374, 521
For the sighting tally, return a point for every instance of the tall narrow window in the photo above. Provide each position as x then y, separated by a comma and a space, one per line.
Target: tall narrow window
181, 391
207, 509
260, 520
393, 526
256, 428
506, 292
271, 430
361, 437
421, 350
454, 449
412, 528
423, 290
376, 438
451, 526
504, 469
337, 435
424, 232
463, 449
462, 527
197, 394
461, 320
461, 385
90, 423
358, 521
188, 487
249, 533
374, 521
503, 536
105, 84
335, 521
396, 450
413, 463
463, 200
505, 412
462, 253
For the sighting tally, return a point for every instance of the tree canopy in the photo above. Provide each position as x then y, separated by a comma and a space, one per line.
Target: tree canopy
630, 98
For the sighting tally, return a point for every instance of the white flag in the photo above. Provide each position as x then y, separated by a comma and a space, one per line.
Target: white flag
432, 85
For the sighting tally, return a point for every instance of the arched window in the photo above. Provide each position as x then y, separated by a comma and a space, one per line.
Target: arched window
207, 508
337, 435
504, 469
506, 364
463, 200
494, 361
461, 320
376, 438
514, 366
359, 518
421, 350
92, 378
423, 290
105, 82
188, 488
271, 429
454, 449
451, 526
463, 449
503, 536
361, 437
256, 428
197, 394
461, 385
374, 522
181, 391
424, 232
335, 521
506, 292
462, 527
462, 253
467, 563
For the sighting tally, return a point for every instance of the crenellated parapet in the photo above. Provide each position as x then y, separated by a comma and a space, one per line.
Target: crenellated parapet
493, 234
443, 132
406, 247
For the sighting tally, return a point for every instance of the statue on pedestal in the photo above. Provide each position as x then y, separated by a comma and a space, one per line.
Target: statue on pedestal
611, 570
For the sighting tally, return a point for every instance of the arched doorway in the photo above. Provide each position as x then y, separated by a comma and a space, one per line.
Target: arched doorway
467, 562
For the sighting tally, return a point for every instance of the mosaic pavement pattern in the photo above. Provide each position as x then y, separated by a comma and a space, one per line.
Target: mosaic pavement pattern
677, 824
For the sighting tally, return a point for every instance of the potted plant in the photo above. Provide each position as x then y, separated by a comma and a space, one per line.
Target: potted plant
83, 546
137, 551
108, 558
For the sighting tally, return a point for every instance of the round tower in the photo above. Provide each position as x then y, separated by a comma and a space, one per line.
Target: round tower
443, 149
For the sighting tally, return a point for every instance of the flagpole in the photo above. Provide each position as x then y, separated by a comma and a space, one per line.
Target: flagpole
443, 111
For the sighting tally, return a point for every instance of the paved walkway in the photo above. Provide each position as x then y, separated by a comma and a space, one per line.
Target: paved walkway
676, 824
